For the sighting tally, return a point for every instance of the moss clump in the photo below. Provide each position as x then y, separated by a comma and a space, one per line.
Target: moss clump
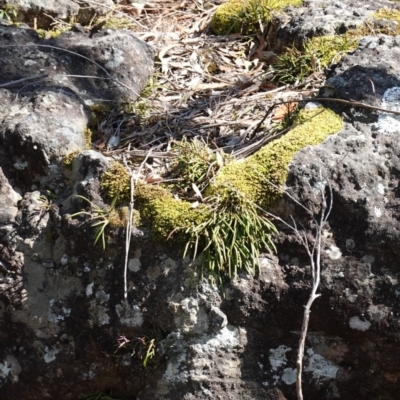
118, 23
100, 112
318, 53
51, 34
116, 182
165, 214
118, 217
69, 158
88, 138
195, 163
271, 162
244, 15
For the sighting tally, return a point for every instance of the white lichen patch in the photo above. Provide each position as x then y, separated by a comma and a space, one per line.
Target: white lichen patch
89, 289
389, 123
5, 369
129, 315
381, 188
277, 357
55, 318
320, 367
289, 376
334, 253
134, 264
227, 337
189, 316
377, 212
356, 323
50, 355
15, 367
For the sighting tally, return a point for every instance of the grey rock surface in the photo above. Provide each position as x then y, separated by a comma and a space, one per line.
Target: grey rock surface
63, 316
44, 11
38, 131
321, 17
111, 65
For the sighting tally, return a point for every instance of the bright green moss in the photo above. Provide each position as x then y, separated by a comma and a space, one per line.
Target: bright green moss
271, 162
116, 182
166, 215
45, 34
88, 138
244, 15
69, 158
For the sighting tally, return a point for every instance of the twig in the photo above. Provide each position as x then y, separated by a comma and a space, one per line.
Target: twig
129, 223
78, 55
314, 255
18, 81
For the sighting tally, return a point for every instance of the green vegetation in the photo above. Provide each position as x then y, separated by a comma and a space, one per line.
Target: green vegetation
165, 214
246, 15
320, 51
116, 182
143, 348
8, 12
48, 34
271, 162
230, 237
102, 396
69, 158
101, 218
196, 164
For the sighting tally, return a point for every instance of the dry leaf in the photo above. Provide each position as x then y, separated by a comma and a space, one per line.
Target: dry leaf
153, 179
197, 191
220, 159
282, 110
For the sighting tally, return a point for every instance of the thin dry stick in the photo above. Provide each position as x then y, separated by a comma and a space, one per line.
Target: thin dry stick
78, 55
129, 223
18, 81
314, 254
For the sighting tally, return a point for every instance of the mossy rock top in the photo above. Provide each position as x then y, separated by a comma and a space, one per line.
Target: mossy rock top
243, 15
271, 162
166, 214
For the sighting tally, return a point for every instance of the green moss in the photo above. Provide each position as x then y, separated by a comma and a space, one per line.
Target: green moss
386, 13
271, 162
116, 182
244, 15
69, 158
118, 217
118, 23
88, 138
48, 34
165, 214
320, 51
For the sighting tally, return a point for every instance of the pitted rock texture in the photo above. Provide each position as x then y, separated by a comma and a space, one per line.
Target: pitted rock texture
325, 18
66, 329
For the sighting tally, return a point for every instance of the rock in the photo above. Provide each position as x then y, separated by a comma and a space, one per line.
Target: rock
37, 132
8, 201
44, 10
63, 314
318, 18
115, 64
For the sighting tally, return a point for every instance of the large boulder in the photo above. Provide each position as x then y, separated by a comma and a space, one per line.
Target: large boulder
109, 65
